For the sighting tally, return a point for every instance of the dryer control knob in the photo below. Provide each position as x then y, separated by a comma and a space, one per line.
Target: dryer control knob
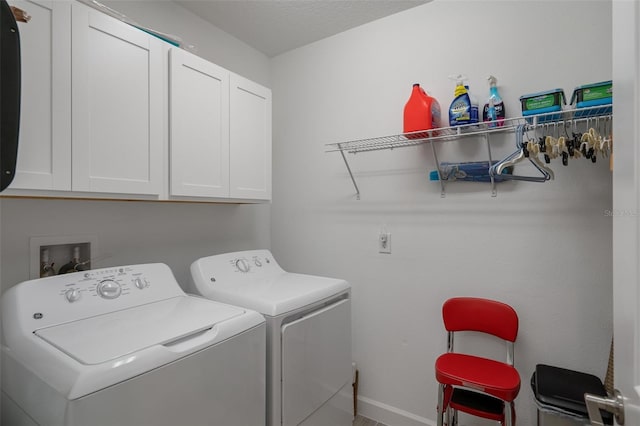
109, 289
242, 265
72, 295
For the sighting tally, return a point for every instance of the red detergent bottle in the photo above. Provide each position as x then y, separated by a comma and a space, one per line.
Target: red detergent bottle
421, 112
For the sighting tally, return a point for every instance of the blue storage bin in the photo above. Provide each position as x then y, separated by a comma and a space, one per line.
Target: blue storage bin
543, 103
592, 96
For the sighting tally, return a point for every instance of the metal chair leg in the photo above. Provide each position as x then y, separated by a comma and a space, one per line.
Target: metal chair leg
441, 409
508, 413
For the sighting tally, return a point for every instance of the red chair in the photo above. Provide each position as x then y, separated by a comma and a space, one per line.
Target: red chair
475, 385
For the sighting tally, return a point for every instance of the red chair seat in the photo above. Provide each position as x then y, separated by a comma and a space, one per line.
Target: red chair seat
492, 377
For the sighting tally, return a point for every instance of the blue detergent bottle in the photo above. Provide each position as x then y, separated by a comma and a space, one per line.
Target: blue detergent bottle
461, 110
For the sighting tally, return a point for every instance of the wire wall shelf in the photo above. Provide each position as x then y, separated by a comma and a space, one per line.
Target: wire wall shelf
548, 120
557, 122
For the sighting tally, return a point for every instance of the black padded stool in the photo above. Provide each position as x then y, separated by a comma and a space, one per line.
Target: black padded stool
561, 391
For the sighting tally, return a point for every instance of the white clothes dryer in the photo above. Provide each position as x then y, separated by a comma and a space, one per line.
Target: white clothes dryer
309, 373
126, 346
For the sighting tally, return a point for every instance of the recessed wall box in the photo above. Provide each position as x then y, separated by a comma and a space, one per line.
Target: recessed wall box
53, 255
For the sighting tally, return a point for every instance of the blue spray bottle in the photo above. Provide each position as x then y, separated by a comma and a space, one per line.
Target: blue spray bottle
494, 108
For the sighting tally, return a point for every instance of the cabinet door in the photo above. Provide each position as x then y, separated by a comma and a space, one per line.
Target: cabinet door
117, 95
250, 140
199, 127
44, 148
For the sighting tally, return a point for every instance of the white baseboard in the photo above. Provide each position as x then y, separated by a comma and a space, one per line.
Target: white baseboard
389, 415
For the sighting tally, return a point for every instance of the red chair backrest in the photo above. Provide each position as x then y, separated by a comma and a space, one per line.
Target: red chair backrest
483, 315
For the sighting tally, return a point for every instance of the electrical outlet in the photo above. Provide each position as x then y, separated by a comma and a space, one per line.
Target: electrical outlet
384, 242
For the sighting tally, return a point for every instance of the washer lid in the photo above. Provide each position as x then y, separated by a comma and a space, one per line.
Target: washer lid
106, 337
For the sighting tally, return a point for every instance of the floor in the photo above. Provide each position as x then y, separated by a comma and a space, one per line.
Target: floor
363, 421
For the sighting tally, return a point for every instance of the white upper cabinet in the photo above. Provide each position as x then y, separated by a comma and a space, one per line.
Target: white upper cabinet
220, 127
44, 153
101, 98
117, 106
199, 127
250, 140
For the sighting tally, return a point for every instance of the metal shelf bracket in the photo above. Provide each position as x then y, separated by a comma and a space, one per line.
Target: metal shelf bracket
355, 185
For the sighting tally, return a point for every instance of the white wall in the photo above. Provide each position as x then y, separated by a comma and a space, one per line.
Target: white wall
543, 248
131, 232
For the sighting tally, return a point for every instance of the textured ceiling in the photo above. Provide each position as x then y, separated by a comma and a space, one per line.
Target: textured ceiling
276, 26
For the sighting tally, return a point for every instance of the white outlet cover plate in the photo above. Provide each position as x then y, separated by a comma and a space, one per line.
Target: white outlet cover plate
386, 249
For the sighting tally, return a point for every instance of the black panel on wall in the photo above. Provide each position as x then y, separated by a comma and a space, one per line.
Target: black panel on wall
9, 94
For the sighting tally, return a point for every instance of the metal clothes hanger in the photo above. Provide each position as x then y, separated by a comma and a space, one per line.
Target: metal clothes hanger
517, 156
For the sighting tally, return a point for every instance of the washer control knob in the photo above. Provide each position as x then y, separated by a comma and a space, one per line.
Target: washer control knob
257, 262
72, 295
109, 289
242, 265
140, 283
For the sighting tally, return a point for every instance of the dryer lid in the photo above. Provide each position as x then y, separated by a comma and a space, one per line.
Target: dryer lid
110, 336
274, 296
254, 280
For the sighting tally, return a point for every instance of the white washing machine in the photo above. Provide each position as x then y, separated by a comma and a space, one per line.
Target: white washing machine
126, 346
309, 372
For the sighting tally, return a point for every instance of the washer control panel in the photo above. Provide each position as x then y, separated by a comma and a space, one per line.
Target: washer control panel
109, 283
69, 297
